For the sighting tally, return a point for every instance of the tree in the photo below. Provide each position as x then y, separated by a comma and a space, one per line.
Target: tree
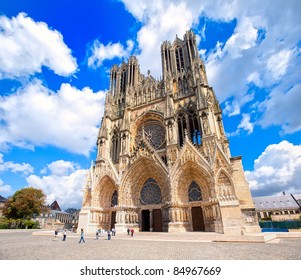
25, 203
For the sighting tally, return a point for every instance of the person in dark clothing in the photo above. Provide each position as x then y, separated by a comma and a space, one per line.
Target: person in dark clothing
82, 236
64, 235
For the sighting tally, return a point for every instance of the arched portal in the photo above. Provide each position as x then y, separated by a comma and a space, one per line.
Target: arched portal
150, 196
192, 192
143, 193
105, 201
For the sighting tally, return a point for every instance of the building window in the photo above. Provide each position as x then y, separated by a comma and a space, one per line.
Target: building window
153, 132
179, 59
114, 200
189, 121
115, 147
194, 192
150, 192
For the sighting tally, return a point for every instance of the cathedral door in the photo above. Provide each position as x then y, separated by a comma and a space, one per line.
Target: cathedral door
145, 224
113, 219
197, 219
157, 220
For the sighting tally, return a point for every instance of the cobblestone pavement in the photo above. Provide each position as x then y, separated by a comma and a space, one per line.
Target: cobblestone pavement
22, 245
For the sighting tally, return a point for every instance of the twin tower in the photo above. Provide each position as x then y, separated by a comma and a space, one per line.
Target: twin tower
163, 160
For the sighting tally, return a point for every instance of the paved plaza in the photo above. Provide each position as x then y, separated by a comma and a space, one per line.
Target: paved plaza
23, 245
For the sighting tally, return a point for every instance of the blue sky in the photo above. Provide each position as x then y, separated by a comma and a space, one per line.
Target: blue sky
54, 63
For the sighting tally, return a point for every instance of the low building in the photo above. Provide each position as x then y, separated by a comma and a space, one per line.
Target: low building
278, 208
2, 203
55, 218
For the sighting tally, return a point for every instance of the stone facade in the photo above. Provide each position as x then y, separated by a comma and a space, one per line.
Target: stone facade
163, 161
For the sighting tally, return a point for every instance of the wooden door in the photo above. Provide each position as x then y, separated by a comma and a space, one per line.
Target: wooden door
157, 220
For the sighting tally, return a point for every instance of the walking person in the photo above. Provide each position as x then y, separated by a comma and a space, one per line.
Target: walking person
113, 231
64, 235
97, 234
55, 235
109, 235
128, 230
82, 236
132, 232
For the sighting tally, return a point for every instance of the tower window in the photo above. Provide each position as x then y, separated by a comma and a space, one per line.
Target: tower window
115, 147
189, 121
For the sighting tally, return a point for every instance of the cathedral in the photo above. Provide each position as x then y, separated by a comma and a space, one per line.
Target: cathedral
163, 160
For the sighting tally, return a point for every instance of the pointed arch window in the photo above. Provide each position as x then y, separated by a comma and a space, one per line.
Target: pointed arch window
182, 126
189, 121
115, 147
150, 192
179, 59
114, 200
194, 192
185, 86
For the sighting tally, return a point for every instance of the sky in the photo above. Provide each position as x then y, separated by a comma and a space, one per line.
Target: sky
55, 58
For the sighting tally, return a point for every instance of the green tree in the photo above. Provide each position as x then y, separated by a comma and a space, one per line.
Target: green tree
25, 203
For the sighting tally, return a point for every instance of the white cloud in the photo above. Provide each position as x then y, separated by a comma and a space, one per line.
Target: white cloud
243, 38
276, 170
65, 186
27, 45
278, 63
282, 108
5, 190
24, 168
246, 124
100, 52
35, 115
232, 109
61, 167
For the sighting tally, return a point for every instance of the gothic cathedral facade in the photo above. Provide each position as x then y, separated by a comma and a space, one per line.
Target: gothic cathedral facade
163, 160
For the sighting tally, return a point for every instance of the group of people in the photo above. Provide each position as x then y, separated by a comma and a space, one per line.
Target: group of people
99, 232
109, 232
56, 235
130, 231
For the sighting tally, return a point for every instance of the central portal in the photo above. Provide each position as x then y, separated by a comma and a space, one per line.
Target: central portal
151, 220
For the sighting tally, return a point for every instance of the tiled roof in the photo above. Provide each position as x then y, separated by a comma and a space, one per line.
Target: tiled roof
280, 202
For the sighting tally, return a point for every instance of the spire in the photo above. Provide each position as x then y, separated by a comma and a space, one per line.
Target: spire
103, 132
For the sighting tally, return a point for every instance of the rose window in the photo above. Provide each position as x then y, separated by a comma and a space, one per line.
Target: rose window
150, 193
153, 132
